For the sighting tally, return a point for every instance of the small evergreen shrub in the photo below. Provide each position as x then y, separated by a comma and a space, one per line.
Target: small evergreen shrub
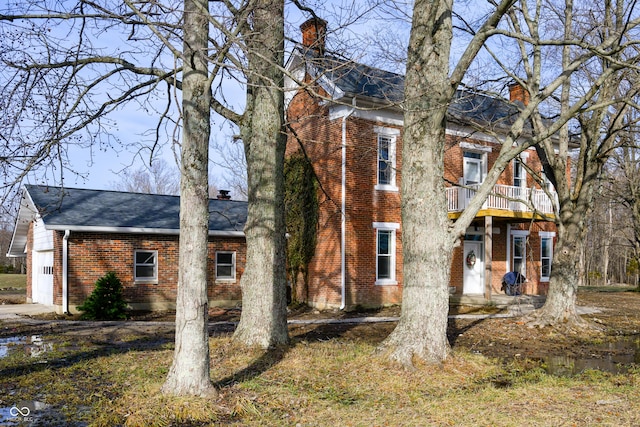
106, 302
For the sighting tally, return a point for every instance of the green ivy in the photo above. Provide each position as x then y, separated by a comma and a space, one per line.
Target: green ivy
301, 207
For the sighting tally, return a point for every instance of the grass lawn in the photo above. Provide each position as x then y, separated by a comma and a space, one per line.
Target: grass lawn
18, 281
331, 383
112, 375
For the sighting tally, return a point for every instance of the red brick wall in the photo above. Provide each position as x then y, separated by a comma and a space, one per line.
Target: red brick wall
91, 255
322, 139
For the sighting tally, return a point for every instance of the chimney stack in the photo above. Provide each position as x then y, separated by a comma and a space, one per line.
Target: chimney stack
314, 31
224, 195
518, 93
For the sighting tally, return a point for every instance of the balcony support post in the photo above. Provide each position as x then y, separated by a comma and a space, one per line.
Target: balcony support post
488, 254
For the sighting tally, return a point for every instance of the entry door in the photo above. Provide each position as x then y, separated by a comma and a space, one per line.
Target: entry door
473, 268
42, 277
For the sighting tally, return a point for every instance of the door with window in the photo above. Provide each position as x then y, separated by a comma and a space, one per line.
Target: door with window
473, 267
42, 277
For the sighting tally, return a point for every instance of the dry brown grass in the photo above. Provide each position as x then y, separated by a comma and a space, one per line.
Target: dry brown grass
321, 383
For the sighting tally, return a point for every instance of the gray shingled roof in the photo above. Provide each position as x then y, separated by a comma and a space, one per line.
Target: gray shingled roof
64, 208
359, 80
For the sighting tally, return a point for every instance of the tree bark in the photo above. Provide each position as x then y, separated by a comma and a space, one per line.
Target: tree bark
427, 244
189, 373
263, 321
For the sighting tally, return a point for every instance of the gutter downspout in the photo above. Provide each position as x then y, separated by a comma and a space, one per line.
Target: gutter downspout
343, 208
65, 270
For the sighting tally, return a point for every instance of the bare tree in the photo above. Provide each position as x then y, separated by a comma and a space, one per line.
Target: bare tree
60, 93
428, 236
611, 86
157, 178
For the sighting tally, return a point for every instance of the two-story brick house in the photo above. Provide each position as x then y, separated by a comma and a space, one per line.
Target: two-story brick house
346, 118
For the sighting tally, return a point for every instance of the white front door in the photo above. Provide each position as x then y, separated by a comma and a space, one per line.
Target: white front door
473, 268
42, 277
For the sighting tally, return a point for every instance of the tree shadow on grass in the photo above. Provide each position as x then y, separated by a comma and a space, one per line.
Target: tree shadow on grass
457, 327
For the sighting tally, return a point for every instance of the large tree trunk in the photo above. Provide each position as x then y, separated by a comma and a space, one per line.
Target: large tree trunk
426, 241
560, 306
189, 373
263, 321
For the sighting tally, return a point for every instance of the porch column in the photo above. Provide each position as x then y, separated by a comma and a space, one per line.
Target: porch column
488, 253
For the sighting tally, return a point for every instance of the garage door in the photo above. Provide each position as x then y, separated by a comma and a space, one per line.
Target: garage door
42, 288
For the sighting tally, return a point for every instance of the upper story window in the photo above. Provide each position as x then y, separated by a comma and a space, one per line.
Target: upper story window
146, 265
519, 176
386, 164
473, 168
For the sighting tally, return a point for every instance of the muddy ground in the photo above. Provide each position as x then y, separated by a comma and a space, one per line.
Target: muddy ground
618, 316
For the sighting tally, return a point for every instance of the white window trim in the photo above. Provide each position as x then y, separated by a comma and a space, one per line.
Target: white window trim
233, 269
546, 235
392, 134
511, 233
393, 227
153, 279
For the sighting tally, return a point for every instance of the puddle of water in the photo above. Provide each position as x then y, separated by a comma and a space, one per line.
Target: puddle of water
613, 357
33, 346
21, 413
9, 343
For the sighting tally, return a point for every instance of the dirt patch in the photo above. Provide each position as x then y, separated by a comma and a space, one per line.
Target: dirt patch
492, 337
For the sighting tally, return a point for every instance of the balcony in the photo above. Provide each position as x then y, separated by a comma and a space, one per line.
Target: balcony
504, 201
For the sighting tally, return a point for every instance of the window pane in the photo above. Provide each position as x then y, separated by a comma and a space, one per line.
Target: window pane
518, 247
144, 271
225, 258
384, 238
546, 267
145, 257
546, 247
224, 271
384, 267
517, 265
385, 160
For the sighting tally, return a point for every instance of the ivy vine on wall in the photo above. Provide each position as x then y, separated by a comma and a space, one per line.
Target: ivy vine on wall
301, 207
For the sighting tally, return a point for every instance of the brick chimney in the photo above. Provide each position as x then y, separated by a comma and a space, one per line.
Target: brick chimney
224, 195
314, 31
518, 93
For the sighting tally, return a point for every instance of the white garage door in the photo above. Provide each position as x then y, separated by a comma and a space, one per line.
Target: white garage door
42, 288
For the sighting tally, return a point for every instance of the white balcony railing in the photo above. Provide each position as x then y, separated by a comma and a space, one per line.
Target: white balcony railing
503, 197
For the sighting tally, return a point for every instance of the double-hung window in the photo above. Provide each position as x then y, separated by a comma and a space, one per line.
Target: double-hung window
518, 251
226, 266
145, 265
386, 163
519, 177
546, 254
385, 253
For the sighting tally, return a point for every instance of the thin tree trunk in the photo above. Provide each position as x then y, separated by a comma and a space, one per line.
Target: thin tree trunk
263, 321
428, 246
189, 373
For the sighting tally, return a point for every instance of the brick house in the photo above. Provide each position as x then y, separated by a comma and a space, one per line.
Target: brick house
71, 237
347, 120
